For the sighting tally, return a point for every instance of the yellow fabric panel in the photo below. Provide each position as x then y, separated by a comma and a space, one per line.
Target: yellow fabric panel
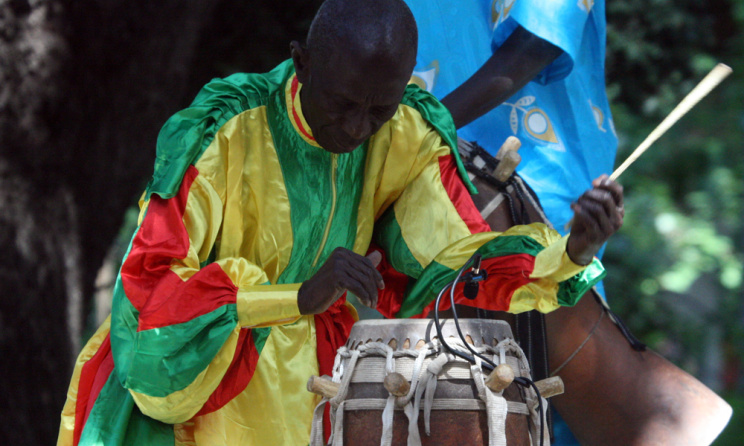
405, 151
256, 303
552, 265
184, 434
202, 219
275, 408
293, 103
457, 253
256, 222
255, 242
405, 144
540, 295
180, 406
67, 425
553, 262
540, 232
142, 202
425, 203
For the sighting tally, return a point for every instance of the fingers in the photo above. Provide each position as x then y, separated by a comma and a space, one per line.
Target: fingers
598, 214
615, 189
375, 257
360, 284
358, 274
343, 270
612, 202
598, 207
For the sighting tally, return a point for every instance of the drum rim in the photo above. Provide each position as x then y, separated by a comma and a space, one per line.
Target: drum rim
384, 330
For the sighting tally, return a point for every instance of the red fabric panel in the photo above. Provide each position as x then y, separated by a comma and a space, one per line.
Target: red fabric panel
389, 299
93, 376
238, 374
460, 196
505, 275
332, 328
160, 295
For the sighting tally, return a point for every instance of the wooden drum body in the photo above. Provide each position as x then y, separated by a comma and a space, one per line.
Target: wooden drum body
441, 393
614, 394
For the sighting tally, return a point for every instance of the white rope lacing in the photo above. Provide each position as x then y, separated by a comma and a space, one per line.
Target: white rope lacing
423, 369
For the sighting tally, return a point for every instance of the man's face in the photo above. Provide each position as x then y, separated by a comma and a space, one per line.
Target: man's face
347, 99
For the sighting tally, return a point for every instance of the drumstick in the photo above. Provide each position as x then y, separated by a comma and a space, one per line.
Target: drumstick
709, 82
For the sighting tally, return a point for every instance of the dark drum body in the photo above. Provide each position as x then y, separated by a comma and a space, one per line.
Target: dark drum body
445, 400
616, 392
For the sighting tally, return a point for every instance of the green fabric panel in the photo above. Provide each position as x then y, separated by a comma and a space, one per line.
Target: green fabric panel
388, 236
349, 186
307, 178
439, 117
169, 358
436, 276
260, 335
124, 323
210, 258
115, 420
571, 290
188, 133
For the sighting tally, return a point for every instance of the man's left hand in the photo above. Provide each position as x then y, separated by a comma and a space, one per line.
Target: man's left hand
598, 214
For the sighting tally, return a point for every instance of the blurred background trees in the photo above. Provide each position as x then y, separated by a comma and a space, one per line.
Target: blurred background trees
85, 86
675, 269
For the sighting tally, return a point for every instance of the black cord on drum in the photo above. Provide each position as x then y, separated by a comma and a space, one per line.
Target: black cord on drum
489, 365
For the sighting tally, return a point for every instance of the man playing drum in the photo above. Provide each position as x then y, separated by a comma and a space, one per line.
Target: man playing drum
266, 195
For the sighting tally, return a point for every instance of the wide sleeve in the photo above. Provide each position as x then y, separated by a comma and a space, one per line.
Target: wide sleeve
433, 228
185, 329
558, 22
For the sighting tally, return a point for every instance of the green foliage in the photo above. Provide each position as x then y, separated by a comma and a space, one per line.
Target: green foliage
677, 266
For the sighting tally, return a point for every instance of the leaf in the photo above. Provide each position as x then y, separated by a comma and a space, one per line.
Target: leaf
514, 120
525, 101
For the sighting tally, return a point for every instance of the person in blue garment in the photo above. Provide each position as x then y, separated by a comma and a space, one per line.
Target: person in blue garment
533, 69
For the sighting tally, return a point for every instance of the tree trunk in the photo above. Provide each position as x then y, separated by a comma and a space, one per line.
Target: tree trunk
84, 89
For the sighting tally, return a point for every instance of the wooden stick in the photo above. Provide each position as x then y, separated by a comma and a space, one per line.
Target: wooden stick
550, 386
511, 143
396, 384
500, 378
507, 165
323, 386
709, 82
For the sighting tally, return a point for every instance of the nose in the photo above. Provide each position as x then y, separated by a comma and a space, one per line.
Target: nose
357, 124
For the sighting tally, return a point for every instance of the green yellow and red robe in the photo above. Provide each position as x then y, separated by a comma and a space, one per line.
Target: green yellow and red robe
205, 343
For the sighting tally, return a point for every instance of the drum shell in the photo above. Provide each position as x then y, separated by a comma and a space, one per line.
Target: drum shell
448, 427
614, 395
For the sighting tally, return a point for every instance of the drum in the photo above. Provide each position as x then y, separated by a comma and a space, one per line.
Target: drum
441, 399
616, 391
501, 203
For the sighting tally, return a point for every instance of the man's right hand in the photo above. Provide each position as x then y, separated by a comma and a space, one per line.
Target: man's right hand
344, 270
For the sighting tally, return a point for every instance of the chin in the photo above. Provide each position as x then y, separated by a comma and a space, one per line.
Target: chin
332, 146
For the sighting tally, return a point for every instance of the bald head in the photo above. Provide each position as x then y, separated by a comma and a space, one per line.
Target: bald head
372, 29
354, 70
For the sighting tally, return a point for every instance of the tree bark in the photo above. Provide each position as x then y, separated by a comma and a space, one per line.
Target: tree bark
84, 89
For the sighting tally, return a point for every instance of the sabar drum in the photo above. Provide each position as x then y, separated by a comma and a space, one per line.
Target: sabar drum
439, 398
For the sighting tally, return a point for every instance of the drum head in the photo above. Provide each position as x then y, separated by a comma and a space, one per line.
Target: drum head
407, 333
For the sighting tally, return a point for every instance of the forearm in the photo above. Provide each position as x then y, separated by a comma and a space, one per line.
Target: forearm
522, 56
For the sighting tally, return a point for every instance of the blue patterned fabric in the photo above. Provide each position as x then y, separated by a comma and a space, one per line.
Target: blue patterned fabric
562, 117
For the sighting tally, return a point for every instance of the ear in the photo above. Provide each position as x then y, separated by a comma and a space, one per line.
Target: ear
301, 60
